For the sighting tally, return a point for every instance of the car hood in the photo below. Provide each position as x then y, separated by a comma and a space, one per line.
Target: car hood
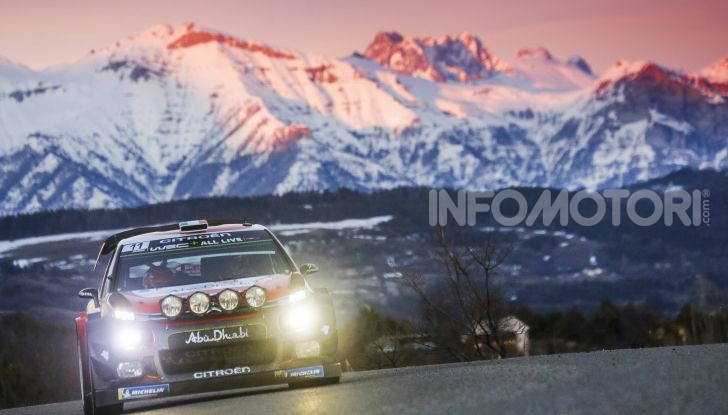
147, 301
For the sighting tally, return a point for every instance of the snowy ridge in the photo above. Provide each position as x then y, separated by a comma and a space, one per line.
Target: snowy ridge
542, 71
717, 72
11, 73
180, 112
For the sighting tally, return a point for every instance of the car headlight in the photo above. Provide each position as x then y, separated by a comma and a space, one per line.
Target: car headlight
297, 296
228, 300
129, 338
171, 306
300, 318
199, 303
123, 315
255, 296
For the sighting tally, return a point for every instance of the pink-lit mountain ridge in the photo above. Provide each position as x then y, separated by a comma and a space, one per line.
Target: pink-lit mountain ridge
180, 112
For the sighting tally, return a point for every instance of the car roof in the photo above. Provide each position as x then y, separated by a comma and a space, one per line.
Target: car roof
153, 233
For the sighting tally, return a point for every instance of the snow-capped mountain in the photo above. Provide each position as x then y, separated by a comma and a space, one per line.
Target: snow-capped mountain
180, 112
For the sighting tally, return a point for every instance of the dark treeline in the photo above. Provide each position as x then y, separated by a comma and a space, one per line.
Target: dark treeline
38, 362
623, 327
368, 341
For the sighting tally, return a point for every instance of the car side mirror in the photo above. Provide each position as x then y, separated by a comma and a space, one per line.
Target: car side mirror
90, 294
308, 269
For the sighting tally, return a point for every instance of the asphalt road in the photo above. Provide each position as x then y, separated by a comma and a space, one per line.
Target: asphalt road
680, 380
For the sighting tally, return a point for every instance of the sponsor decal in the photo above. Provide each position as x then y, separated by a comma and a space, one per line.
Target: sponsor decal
218, 335
192, 242
303, 372
142, 391
221, 372
138, 247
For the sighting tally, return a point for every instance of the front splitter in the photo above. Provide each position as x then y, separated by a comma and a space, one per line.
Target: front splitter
160, 389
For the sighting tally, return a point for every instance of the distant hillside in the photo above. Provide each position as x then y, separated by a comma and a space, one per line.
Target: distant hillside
408, 205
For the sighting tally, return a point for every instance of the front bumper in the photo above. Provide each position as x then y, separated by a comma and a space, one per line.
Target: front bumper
157, 389
269, 354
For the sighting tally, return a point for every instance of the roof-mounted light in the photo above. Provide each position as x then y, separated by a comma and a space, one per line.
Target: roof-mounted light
193, 226
199, 303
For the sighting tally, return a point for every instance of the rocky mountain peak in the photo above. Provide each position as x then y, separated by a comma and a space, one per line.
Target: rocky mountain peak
192, 35
717, 72
459, 58
535, 53
580, 63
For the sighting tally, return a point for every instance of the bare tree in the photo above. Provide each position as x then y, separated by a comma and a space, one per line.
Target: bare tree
463, 313
378, 341
388, 347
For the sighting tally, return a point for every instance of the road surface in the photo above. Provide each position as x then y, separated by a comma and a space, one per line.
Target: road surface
680, 380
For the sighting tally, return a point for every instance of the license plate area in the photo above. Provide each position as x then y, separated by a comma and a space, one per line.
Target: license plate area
218, 336
246, 353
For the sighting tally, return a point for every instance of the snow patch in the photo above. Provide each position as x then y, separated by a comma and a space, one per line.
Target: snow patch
291, 228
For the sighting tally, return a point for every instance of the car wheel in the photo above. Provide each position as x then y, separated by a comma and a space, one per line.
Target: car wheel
85, 383
114, 409
314, 382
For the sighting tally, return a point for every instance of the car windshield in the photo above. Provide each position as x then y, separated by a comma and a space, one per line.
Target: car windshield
192, 259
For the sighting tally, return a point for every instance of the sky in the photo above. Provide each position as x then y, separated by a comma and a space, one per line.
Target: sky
685, 35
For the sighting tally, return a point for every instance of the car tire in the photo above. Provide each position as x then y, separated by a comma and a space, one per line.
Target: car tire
87, 394
85, 382
114, 409
314, 382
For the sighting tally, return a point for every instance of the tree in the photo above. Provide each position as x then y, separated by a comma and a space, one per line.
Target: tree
463, 313
375, 341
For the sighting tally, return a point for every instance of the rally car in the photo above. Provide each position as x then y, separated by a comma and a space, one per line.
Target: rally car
200, 306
